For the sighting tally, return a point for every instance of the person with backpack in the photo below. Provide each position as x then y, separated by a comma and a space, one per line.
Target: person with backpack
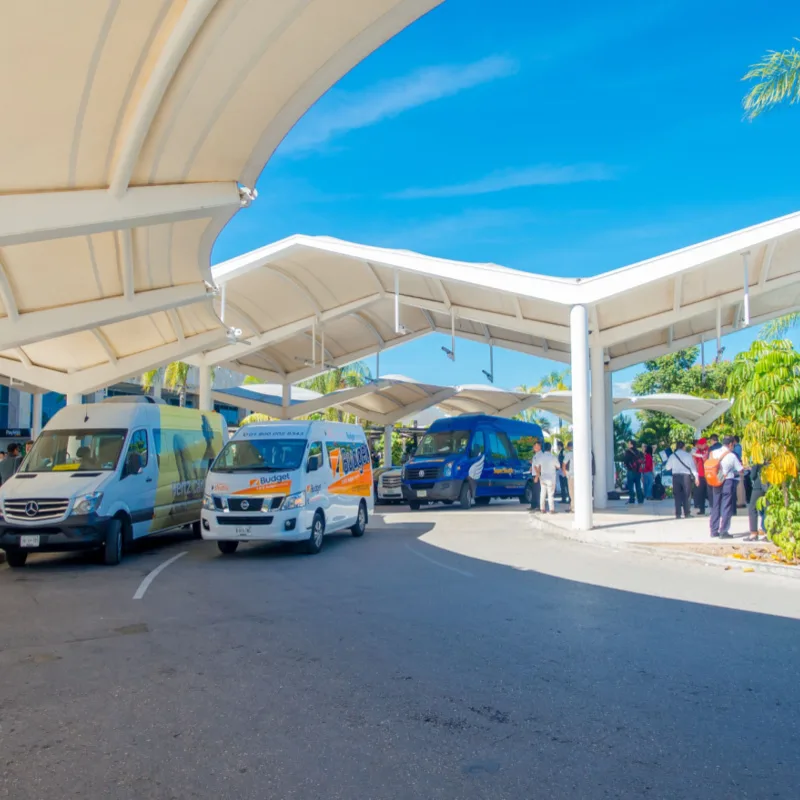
634, 464
722, 468
684, 474
756, 514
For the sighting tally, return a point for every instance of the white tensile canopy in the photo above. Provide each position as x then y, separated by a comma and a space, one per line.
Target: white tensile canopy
131, 133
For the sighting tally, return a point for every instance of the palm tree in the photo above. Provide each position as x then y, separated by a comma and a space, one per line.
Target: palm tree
778, 328
175, 376
531, 415
778, 76
351, 376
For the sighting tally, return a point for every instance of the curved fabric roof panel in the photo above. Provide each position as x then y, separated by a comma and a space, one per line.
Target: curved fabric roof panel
88, 360
126, 138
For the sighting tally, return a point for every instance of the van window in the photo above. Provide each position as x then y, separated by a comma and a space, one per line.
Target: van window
95, 450
443, 443
138, 445
523, 446
315, 449
478, 447
260, 455
499, 447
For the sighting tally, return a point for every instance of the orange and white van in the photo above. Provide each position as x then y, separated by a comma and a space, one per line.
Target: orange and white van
288, 482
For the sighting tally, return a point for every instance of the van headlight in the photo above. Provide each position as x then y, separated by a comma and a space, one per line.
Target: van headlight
208, 502
293, 501
448, 470
87, 503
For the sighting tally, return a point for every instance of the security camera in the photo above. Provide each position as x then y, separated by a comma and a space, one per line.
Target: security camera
449, 353
401, 329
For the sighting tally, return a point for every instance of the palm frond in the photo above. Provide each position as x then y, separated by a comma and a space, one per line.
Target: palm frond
778, 328
778, 76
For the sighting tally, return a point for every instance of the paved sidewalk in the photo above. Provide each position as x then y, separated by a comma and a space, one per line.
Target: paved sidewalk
653, 522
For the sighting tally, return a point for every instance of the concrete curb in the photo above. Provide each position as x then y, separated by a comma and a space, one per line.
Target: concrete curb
782, 570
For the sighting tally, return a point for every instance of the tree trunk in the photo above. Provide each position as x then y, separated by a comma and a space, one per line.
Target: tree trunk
182, 396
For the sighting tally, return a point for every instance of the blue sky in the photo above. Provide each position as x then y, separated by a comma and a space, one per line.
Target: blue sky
564, 140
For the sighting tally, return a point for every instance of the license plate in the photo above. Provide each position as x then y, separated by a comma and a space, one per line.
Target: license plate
422, 493
243, 530
28, 541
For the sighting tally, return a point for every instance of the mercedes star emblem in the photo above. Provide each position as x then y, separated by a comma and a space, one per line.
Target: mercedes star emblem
422, 473
31, 509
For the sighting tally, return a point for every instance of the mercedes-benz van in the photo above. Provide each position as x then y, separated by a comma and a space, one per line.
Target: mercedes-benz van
103, 474
289, 482
471, 459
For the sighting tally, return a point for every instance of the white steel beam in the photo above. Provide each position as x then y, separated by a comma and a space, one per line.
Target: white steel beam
677, 290
298, 285
443, 292
106, 345
180, 39
125, 244
629, 330
414, 408
7, 295
244, 317
175, 321
39, 216
530, 349
531, 327
34, 326
370, 327
766, 263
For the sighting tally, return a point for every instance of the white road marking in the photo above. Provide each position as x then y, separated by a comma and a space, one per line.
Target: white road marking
439, 563
151, 576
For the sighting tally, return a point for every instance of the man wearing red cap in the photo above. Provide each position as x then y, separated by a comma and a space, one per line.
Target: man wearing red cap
700, 455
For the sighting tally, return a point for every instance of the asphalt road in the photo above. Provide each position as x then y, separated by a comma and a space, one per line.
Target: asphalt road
394, 667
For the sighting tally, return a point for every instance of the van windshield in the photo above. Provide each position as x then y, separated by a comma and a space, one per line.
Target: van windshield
93, 450
443, 443
260, 455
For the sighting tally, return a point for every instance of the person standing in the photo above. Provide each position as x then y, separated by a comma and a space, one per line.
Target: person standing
713, 443
537, 486
741, 494
634, 462
723, 496
547, 467
569, 474
684, 474
10, 464
700, 455
648, 474
561, 484
760, 486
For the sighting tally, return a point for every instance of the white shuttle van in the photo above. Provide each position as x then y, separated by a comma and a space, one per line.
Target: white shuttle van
105, 473
288, 482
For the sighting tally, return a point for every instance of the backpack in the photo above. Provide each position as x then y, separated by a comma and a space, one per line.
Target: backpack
713, 470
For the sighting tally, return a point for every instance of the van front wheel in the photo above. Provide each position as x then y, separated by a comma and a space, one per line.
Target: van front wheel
112, 550
465, 496
414, 505
361, 521
16, 558
315, 539
527, 496
227, 548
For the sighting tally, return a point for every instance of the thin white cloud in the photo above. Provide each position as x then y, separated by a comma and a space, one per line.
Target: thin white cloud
503, 180
623, 389
341, 112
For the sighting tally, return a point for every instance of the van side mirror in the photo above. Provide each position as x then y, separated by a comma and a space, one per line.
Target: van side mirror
314, 463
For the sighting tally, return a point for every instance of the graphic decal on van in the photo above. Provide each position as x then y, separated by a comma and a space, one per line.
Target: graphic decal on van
476, 469
269, 484
351, 467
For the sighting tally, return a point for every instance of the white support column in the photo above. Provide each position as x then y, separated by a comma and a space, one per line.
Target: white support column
599, 426
387, 446
609, 387
286, 399
74, 399
36, 421
204, 389
581, 420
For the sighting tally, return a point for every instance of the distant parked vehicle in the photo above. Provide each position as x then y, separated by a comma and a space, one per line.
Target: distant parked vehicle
103, 474
470, 460
390, 486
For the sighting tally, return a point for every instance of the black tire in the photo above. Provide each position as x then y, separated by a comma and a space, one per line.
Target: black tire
465, 495
448, 502
115, 538
227, 548
317, 535
197, 530
16, 558
414, 505
361, 522
526, 498
483, 501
